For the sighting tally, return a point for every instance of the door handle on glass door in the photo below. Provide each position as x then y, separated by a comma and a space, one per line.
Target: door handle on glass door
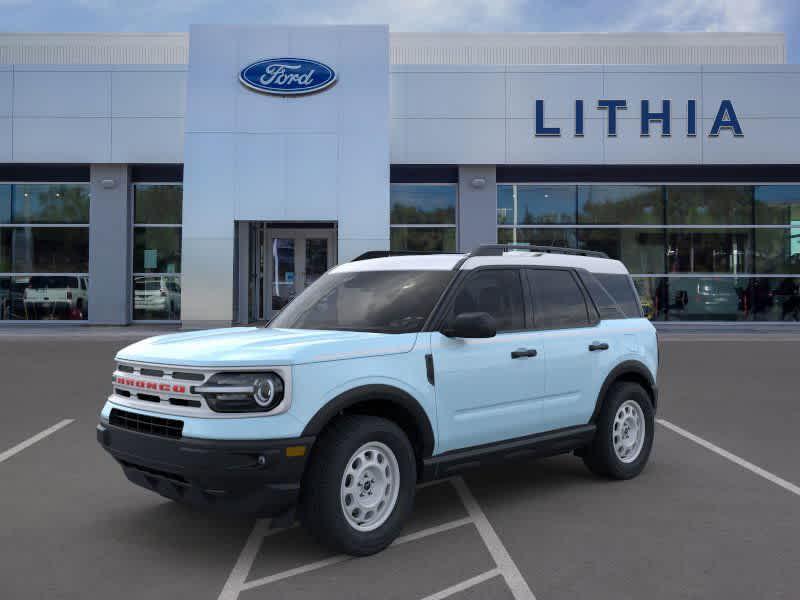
598, 346
523, 353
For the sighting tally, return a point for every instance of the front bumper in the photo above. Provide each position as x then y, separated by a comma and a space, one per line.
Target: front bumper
243, 476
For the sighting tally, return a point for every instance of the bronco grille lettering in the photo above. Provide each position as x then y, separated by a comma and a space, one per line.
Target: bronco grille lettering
151, 385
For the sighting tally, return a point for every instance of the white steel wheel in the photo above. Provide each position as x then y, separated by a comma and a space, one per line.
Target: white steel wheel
370, 486
629, 431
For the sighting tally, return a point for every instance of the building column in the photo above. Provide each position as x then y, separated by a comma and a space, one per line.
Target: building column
477, 206
109, 245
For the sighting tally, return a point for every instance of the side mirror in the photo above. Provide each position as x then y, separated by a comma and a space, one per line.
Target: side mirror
471, 325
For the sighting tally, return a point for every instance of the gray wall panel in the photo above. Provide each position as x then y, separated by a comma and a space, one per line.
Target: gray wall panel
109, 235
477, 207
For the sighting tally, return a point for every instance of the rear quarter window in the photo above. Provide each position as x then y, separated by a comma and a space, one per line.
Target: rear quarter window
620, 288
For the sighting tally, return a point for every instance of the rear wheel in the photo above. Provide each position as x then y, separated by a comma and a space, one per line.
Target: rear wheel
359, 489
624, 437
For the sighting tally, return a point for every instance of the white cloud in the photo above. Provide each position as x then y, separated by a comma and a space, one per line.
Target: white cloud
416, 15
705, 15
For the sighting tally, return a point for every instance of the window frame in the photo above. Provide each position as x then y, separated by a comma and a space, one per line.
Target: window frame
82, 276
132, 225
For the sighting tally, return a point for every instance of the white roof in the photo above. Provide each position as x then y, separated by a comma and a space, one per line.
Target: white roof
446, 262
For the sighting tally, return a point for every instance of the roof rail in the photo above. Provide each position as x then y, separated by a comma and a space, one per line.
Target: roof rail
499, 249
387, 253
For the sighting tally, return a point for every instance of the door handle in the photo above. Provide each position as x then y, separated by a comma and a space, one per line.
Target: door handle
523, 353
597, 346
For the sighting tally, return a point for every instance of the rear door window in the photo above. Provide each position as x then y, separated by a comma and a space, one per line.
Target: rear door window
558, 301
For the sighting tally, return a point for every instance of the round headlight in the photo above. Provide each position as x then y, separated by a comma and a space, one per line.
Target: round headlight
264, 392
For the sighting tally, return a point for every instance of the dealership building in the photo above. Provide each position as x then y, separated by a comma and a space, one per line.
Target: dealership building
208, 177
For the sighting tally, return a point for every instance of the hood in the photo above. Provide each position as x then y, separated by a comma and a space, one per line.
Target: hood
258, 346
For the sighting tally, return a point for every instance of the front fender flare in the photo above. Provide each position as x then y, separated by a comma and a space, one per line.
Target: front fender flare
386, 393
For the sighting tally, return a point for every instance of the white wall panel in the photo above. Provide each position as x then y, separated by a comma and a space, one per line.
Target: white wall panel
523, 147
208, 185
363, 192
455, 141
259, 177
629, 148
5, 139
147, 140
6, 93
558, 90
79, 140
148, 93
678, 87
753, 94
66, 93
765, 141
455, 95
211, 89
311, 177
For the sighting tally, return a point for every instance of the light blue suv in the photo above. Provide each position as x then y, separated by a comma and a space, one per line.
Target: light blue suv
388, 371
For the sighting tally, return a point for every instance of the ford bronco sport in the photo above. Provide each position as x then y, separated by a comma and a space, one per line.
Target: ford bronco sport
386, 372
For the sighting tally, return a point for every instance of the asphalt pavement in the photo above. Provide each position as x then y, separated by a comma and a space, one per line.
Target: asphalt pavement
716, 514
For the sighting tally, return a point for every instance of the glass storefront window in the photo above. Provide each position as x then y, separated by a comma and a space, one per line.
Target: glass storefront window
709, 205
561, 238
156, 297
44, 251
642, 250
424, 239
709, 250
778, 250
620, 204
44, 204
157, 214
536, 204
777, 205
157, 250
707, 299
433, 205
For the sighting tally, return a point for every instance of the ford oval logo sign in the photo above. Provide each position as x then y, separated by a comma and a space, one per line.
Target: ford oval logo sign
287, 76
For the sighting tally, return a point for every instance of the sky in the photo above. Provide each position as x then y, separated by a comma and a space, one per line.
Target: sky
413, 15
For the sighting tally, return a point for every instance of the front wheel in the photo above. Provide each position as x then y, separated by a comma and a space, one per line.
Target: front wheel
624, 435
359, 489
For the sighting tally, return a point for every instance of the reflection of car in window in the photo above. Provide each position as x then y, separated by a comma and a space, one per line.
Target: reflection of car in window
386, 372
56, 296
157, 294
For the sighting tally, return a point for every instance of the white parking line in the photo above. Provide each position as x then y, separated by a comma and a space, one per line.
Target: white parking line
505, 564
33, 439
464, 585
339, 558
788, 486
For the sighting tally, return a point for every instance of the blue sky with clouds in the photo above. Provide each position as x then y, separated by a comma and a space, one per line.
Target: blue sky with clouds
414, 15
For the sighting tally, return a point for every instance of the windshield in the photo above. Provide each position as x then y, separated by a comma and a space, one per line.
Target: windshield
378, 301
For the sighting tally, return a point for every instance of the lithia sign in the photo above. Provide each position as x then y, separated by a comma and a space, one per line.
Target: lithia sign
726, 119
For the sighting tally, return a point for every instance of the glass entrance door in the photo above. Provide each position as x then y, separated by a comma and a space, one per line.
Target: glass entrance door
284, 262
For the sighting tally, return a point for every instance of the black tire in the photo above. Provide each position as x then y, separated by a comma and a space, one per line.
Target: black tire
322, 511
600, 456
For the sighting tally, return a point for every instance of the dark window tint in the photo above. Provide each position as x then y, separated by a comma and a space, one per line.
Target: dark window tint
606, 305
376, 301
622, 291
558, 301
498, 293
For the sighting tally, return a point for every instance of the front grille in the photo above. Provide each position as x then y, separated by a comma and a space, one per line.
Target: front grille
170, 428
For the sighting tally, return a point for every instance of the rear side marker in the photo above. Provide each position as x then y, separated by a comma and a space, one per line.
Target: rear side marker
295, 451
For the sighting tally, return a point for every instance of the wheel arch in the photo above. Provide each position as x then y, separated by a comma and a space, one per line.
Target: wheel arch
630, 370
385, 401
